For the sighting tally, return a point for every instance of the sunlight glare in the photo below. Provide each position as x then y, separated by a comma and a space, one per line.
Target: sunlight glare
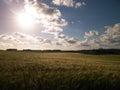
25, 20
31, 11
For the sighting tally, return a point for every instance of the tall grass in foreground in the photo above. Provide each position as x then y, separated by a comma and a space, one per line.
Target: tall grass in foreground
58, 71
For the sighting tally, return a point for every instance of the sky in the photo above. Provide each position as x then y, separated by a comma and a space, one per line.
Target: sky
59, 24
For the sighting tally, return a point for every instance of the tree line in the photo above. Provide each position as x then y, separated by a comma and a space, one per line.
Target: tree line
94, 51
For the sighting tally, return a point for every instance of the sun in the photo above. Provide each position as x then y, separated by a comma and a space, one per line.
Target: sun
25, 20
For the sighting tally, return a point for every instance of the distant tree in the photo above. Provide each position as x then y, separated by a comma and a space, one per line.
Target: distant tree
27, 50
11, 50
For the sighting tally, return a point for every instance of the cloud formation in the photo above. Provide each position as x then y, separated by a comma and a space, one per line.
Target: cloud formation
43, 14
66, 40
52, 22
52, 30
111, 37
91, 34
21, 41
68, 3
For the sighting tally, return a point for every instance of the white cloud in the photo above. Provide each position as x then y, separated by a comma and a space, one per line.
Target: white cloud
66, 40
91, 34
52, 23
21, 41
68, 3
111, 37
6, 38
85, 43
52, 30
45, 15
58, 22
79, 4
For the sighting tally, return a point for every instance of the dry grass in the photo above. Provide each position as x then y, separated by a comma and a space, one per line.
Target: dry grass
58, 71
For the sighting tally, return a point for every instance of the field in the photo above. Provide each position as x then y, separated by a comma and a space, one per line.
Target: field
58, 71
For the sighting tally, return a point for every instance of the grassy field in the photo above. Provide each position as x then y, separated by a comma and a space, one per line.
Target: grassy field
58, 71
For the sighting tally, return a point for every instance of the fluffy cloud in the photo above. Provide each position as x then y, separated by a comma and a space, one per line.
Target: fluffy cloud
68, 3
79, 4
111, 37
52, 23
44, 15
41, 40
66, 40
58, 22
6, 37
85, 43
52, 30
20, 41
20, 35
30, 39
91, 34
49, 12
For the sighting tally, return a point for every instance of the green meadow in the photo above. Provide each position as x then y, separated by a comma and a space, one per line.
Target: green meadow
58, 71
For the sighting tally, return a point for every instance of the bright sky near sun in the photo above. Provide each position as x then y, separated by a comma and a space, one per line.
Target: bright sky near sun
59, 24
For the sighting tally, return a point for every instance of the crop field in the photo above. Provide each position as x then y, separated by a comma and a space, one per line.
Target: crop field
58, 71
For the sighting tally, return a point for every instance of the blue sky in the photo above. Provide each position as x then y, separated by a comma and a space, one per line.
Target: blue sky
59, 24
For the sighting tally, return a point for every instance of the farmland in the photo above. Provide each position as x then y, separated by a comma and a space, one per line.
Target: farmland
58, 71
